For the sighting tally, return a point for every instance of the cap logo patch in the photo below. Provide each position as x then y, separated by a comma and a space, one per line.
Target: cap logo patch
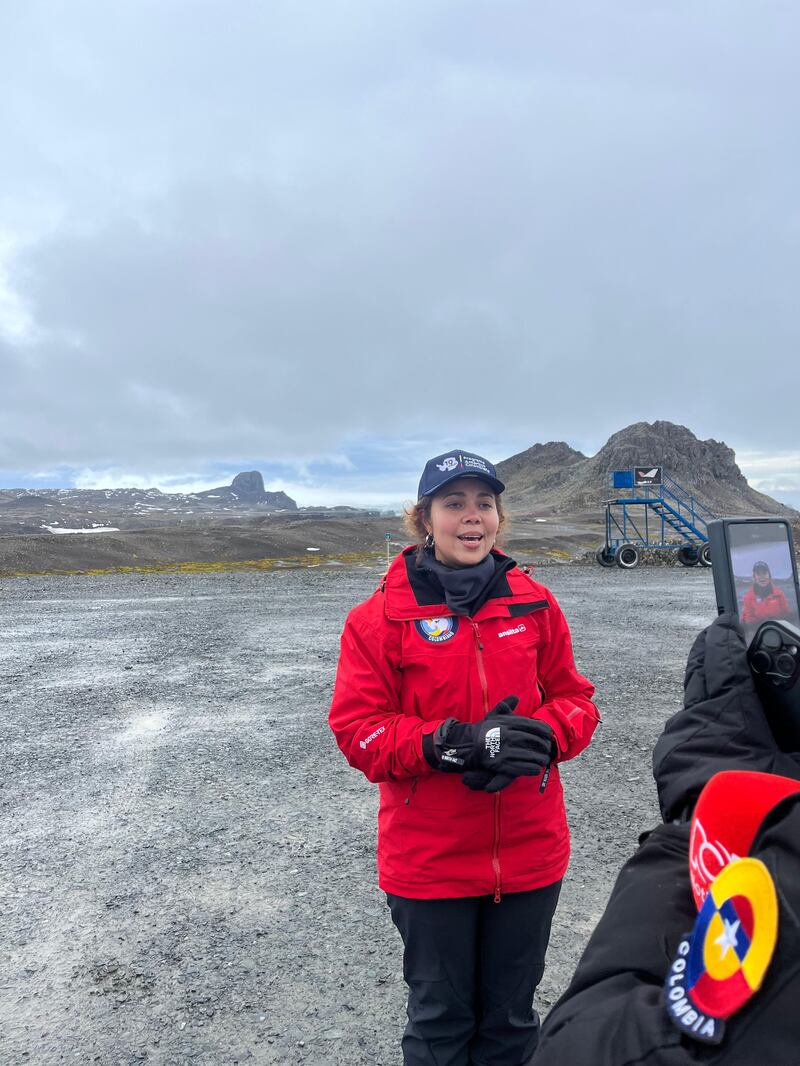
475, 463
721, 964
443, 469
449, 464
437, 630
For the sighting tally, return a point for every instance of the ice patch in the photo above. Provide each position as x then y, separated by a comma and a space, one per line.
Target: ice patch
94, 529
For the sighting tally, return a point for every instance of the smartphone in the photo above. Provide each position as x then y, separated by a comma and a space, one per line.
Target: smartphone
755, 571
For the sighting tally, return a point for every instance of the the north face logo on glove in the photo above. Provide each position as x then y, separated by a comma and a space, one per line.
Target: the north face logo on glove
492, 742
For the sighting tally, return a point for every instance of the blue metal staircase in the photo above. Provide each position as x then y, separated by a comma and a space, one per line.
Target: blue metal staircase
662, 516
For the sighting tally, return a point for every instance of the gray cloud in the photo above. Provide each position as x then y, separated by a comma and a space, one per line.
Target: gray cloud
262, 230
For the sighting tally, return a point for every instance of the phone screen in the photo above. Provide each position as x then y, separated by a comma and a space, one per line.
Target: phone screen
763, 574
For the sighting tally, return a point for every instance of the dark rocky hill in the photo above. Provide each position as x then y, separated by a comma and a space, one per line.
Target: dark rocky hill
554, 478
52, 510
547, 462
246, 488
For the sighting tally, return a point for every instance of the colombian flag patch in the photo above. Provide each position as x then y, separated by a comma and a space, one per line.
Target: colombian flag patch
721, 964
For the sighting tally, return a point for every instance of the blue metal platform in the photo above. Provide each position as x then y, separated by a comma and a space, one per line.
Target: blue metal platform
657, 514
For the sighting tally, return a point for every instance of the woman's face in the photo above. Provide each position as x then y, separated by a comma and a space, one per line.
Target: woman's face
463, 522
761, 578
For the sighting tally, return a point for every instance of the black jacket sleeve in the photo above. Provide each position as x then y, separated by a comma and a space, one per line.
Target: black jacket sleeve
721, 727
612, 1013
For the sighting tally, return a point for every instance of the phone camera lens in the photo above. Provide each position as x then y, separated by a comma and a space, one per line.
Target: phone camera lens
771, 638
761, 661
785, 664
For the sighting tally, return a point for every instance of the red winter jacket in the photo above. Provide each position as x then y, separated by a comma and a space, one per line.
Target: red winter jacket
770, 607
406, 664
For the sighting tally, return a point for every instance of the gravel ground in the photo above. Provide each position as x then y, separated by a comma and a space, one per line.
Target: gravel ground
187, 862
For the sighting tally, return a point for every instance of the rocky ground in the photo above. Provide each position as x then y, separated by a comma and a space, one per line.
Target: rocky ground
187, 860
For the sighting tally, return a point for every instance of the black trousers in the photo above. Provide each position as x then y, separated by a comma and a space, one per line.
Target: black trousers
472, 966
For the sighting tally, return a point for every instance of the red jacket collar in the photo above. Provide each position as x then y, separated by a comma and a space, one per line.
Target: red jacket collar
408, 595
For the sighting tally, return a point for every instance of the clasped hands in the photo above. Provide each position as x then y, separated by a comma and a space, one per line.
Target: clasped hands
494, 752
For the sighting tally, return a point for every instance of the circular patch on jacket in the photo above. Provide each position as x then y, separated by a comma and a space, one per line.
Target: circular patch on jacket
722, 963
437, 630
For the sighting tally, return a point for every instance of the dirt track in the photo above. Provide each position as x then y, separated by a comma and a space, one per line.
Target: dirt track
187, 860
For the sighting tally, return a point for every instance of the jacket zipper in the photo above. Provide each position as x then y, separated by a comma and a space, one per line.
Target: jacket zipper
496, 798
481, 672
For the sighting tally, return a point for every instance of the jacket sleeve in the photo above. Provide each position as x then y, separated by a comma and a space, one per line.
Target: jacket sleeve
782, 604
567, 705
722, 725
613, 1010
375, 736
775, 606
749, 607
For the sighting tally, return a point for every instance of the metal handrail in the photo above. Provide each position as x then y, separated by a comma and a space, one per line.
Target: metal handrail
693, 525
683, 513
698, 509
685, 503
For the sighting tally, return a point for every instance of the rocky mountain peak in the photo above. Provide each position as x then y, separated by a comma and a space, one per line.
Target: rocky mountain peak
250, 483
556, 477
674, 447
554, 453
247, 488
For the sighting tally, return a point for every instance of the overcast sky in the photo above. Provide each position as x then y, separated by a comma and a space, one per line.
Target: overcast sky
328, 240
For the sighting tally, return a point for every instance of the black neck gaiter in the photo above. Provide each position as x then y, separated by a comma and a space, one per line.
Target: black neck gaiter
463, 585
762, 592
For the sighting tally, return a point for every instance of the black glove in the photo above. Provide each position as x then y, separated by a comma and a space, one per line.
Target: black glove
500, 748
722, 725
541, 750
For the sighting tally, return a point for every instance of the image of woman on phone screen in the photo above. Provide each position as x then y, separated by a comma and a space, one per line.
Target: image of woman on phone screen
457, 693
763, 601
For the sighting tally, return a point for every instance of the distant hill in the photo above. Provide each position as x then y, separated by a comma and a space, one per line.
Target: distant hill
246, 488
45, 510
556, 478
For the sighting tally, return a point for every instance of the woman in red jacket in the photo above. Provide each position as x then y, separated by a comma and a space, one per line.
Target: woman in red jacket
457, 692
763, 601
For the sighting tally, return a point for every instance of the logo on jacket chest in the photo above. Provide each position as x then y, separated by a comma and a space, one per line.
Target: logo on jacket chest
437, 630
